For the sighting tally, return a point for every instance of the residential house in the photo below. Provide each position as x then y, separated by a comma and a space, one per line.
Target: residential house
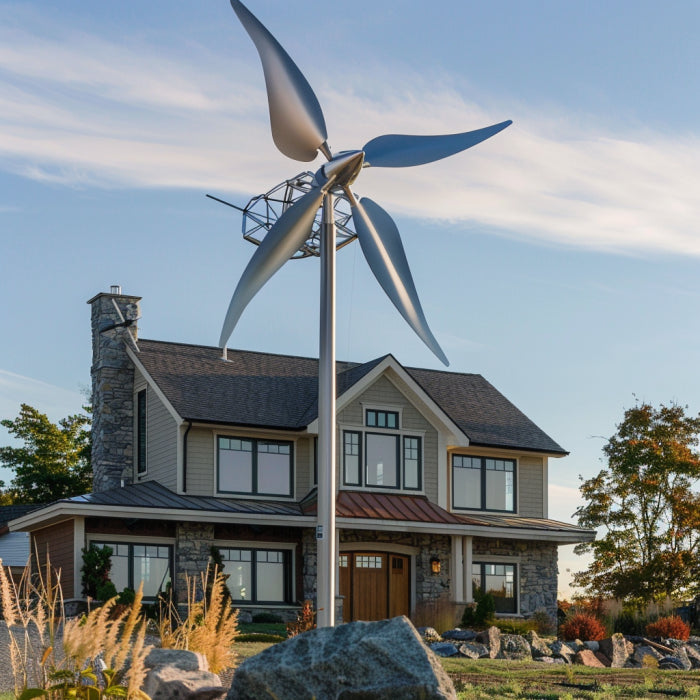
442, 482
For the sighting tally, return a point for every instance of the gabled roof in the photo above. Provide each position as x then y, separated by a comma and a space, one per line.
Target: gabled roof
281, 392
8, 513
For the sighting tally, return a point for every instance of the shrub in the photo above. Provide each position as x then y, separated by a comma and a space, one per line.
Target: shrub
584, 627
106, 591
480, 615
671, 627
97, 563
306, 620
543, 622
514, 625
266, 617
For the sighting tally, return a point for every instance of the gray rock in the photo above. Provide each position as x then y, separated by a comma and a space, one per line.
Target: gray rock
671, 663
615, 648
646, 656
474, 650
428, 632
171, 683
562, 651
693, 655
514, 647
592, 645
444, 649
383, 660
178, 658
459, 635
492, 639
538, 646
549, 660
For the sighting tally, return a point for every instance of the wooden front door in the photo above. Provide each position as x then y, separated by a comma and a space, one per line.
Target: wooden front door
375, 585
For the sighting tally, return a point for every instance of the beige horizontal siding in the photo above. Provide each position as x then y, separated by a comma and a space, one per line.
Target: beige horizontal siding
531, 487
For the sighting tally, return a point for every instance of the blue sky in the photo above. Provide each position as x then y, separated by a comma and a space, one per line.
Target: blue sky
558, 259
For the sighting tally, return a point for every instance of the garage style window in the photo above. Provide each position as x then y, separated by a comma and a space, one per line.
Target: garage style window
382, 460
257, 575
499, 581
134, 563
481, 483
251, 466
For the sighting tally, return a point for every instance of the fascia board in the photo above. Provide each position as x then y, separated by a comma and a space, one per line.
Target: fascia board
151, 382
60, 511
388, 365
558, 537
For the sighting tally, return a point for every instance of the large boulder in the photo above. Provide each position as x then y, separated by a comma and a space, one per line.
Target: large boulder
515, 648
369, 660
616, 649
492, 639
537, 645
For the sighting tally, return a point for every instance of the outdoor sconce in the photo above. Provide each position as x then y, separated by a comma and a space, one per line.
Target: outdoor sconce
435, 565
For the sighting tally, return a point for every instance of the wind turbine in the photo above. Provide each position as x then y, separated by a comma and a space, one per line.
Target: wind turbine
299, 132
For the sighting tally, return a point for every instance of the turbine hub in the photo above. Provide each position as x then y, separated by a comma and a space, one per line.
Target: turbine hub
343, 169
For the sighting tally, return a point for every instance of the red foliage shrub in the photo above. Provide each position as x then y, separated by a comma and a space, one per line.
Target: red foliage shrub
582, 626
671, 627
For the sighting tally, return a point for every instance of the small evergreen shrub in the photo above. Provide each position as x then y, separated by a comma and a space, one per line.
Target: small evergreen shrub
267, 617
583, 626
671, 627
480, 615
106, 591
97, 563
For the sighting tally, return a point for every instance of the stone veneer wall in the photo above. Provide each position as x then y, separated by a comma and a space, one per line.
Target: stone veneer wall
112, 391
192, 551
537, 569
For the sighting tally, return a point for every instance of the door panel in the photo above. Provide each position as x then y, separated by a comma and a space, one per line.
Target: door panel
398, 586
369, 583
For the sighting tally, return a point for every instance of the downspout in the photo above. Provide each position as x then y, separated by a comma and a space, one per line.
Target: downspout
184, 457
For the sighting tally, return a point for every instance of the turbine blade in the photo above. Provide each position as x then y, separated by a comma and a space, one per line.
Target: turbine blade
298, 126
383, 250
285, 237
402, 151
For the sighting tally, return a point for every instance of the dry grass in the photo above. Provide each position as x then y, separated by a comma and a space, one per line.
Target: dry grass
33, 611
211, 624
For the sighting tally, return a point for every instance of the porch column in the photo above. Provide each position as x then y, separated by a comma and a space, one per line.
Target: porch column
468, 560
78, 544
458, 569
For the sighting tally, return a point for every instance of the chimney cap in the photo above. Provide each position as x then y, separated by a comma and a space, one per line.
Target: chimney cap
115, 289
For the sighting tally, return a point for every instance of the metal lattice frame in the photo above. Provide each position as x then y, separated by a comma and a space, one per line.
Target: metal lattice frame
262, 212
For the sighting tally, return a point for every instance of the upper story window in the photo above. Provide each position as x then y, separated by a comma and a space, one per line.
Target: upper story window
256, 467
481, 483
141, 432
382, 419
382, 460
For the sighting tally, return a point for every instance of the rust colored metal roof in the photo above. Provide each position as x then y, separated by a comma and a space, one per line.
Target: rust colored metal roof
391, 506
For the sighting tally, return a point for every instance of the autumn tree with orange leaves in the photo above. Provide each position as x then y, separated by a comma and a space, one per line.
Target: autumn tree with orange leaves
646, 507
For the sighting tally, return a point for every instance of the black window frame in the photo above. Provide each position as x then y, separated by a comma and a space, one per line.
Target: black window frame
482, 473
374, 416
398, 458
516, 584
254, 466
141, 432
360, 457
131, 544
286, 572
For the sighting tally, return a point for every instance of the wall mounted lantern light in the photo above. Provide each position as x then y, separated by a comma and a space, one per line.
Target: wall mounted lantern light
435, 565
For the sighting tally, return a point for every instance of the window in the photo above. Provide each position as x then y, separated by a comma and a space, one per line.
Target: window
479, 483
258, 575
251, 466
382, 460
141, 432
382, 419
133, 563
499, 581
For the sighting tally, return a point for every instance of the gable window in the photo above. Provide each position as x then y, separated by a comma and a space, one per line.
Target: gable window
481, 483
382, 460
252, 466
141, 432
257, 575
133, 563
381, 419
499, 581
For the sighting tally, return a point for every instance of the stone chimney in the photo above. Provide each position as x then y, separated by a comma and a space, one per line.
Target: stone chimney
114, 328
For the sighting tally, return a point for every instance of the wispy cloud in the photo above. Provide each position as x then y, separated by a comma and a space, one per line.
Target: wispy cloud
80, 110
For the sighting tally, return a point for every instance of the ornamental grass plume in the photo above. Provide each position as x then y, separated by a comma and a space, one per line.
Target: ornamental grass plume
211, 624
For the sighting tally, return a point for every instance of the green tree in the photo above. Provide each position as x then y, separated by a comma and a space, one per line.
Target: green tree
52, 463
647, 504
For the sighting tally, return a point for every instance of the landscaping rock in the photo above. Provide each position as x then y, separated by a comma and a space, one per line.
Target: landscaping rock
178, 658
492, 639
383, 660
615, 648
429, 634
671, 663
549, 660
646, 656
514, 647
459, 635
538, 646
444, 649
171, 683
474, 650
562, 650
586, 657
592, 645
693, 655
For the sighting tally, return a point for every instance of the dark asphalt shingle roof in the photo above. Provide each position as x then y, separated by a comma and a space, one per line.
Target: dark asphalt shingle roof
281, 391
8, 513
